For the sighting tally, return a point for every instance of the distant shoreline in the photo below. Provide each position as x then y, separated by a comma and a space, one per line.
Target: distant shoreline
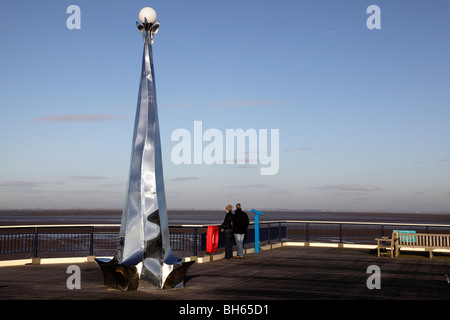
109, 211
213, 216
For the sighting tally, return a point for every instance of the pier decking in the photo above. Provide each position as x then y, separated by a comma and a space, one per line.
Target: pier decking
288, 273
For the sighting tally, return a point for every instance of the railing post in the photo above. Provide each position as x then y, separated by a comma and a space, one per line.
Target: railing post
279, 232
35, 259
35, 249
307, 232
91, 242
268, 233
340, 233
195, 241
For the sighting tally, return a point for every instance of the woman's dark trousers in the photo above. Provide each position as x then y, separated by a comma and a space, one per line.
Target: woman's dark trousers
228, 233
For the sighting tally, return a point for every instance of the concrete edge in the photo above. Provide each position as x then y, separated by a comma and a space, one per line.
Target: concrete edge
216, 257
205, 258
38, 261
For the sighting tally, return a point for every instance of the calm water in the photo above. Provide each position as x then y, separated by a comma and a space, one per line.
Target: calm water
24, 217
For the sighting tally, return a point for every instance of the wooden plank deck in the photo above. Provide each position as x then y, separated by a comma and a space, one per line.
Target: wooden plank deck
288, 273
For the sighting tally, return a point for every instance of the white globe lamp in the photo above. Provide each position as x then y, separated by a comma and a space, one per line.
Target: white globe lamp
148, 13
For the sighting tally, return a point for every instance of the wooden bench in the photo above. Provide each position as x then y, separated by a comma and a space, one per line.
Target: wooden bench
385, 245
427, 241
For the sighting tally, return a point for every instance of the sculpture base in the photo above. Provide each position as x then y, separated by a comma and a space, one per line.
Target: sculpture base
125, 277
176, 277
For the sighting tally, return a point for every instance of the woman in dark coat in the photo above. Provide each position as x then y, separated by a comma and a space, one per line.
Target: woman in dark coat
227, 228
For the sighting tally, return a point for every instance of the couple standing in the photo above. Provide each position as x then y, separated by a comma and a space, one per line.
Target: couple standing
236, 224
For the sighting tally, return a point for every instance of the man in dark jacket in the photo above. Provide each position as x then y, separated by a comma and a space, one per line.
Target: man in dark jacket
240, 225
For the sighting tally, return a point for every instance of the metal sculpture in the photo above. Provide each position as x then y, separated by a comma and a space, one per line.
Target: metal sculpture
144, 258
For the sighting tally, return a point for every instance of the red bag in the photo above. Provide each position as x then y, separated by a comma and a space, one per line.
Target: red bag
212, 239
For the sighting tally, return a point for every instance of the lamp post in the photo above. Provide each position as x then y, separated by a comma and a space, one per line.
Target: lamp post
144, 257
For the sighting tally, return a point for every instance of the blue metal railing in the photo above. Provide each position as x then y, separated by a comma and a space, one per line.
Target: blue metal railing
186, 240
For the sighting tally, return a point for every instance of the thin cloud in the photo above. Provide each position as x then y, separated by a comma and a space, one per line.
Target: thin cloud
113, 185
176, 106
298, 149
333, 31
246, 166
24, 186
88, 178
280, 192
249, 103
19, 184
351, 187
181, 179
256, 185
79, 118
245, 103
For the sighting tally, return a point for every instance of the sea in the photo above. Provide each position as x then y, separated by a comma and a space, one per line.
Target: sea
12, 217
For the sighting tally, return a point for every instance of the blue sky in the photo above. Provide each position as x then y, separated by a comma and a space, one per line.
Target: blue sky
363, 115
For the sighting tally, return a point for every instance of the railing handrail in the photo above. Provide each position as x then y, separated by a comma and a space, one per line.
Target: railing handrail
59, 225
207, 225
360, 223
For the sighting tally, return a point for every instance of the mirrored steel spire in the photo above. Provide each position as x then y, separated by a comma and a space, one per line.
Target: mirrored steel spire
144, 257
